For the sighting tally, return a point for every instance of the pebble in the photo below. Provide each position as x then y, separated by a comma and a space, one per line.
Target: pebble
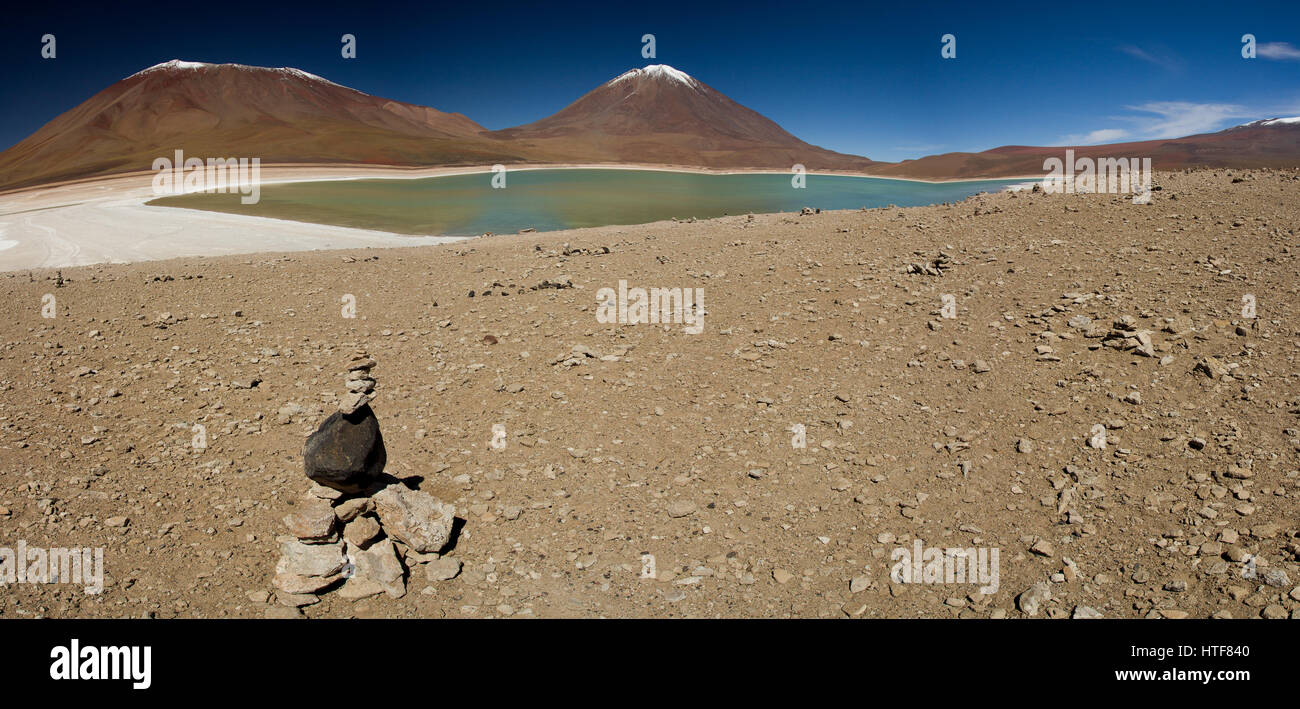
442, 569
1032, 599
1276, 578
681, 508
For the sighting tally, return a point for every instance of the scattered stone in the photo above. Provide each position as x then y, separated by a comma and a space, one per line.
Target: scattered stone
1276, 578
443, 569
1211, 367
681, 508
1032, 599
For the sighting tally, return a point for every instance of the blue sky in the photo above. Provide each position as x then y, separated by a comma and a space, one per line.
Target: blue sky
859, 77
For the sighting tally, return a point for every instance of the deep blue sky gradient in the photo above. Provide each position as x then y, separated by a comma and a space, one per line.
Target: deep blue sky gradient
860, 77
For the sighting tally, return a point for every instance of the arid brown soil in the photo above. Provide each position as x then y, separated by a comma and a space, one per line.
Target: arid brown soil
621, 440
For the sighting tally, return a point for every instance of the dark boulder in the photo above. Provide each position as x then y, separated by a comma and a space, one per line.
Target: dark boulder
346, 452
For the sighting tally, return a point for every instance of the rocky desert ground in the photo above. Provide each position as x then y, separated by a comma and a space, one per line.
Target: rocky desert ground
1102, 408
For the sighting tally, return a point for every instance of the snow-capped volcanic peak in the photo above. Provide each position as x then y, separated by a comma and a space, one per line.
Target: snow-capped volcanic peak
176, 66
658, 71
1295, 120
173, 65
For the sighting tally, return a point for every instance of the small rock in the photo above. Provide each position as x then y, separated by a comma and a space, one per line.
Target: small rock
311, 519
361, 531
1033, 598
443, 569
1276, 578
681, 508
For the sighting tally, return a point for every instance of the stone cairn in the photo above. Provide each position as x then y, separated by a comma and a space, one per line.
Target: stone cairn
358, 529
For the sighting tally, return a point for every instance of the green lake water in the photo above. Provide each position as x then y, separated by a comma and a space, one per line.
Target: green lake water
546, 200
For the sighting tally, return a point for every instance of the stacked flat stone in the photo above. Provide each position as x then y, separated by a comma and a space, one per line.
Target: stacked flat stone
363, 545
358, 529
360, 384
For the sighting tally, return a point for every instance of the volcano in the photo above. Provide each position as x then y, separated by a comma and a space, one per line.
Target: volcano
661, 115
230, 110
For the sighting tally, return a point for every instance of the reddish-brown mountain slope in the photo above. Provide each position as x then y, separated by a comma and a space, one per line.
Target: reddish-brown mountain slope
231, 110
661, 115
1268, 143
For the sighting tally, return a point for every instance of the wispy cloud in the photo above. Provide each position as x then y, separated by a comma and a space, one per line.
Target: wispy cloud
1278, 50
1164, 61
1175, 119
1165, 119
1105, 135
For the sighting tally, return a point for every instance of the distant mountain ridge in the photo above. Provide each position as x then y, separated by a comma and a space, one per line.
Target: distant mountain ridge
651, 115
224, 110
1271, 143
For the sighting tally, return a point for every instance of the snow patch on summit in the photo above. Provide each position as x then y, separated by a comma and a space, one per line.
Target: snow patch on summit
1295, 120
657, 71
177, 65
174, 64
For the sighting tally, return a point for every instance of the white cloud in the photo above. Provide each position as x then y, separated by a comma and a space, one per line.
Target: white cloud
1278, 50
1104, 135
1169, 63
1175, 119
1166, 119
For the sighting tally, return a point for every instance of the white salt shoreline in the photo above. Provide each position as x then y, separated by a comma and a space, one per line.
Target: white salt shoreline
105, 220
